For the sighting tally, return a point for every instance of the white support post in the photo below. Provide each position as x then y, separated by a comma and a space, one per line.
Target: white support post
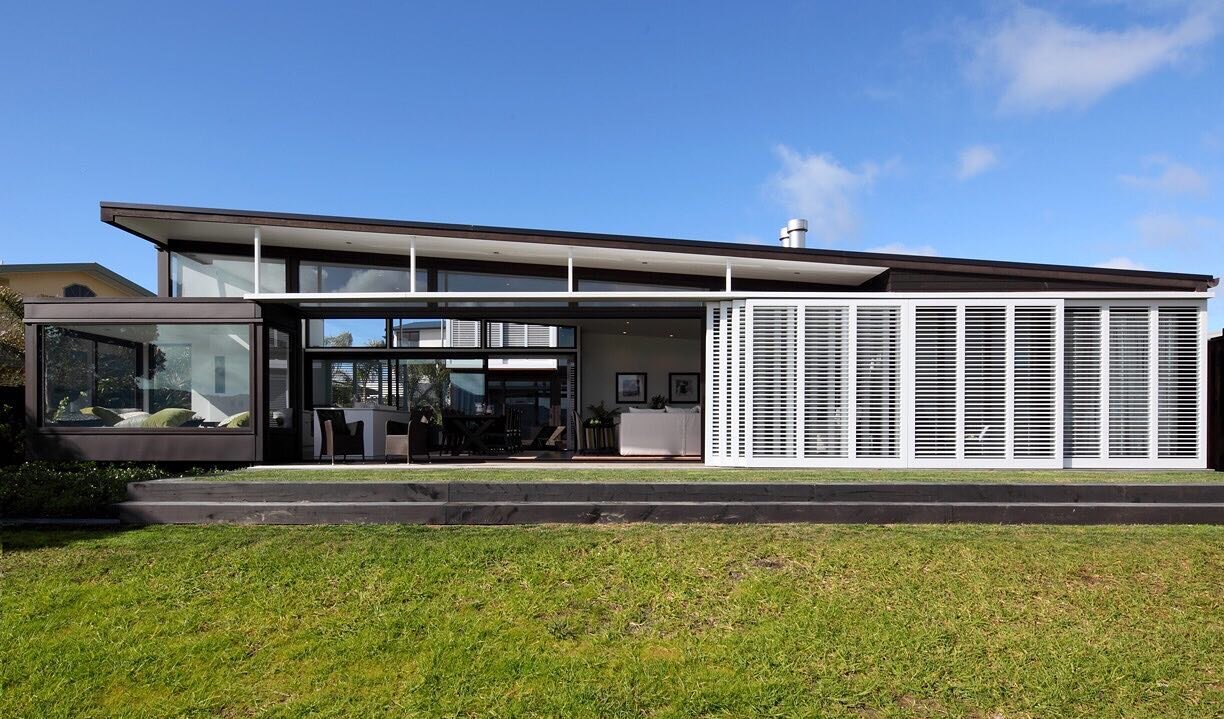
412, 265
728, 275
569, 272
258, 259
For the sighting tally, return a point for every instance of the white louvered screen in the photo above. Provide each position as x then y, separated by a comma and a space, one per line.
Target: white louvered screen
1034, 361
774, 379
878, 381
716, 401
935, 385
985, 390
463, 333
1178, 407
825, 382
1082, 382
497, 334
944, 382
1129, 357
737, 379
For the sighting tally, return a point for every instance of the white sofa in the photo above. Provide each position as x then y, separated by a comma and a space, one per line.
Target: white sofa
660, 434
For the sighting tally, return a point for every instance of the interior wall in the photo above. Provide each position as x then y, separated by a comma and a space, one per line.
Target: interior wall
644, 347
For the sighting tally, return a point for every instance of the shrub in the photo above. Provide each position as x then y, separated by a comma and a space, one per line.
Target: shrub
71, 489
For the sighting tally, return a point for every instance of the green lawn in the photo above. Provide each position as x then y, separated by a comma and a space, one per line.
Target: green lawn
672, 473
639, 620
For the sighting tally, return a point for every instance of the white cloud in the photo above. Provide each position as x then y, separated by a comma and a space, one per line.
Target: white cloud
1170, 229
974, 160
822, 191
897, 248
1044, 63
1121, 263
1172, 177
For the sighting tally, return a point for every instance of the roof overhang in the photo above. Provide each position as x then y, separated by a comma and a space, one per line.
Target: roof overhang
162, 224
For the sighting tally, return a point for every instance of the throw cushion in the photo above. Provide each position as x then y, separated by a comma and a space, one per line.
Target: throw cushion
242, 419
109, 417
133, 419
645, 410
169, 417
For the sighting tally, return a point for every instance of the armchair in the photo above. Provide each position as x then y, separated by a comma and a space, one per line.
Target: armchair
340, 437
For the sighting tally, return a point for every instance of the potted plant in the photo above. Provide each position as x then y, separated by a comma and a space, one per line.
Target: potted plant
658, 402
599, 429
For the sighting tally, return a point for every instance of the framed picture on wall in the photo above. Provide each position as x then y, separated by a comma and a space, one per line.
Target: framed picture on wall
630, 387
683, 388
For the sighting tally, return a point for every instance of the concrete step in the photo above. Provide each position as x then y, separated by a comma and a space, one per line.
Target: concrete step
458, 513
600, 492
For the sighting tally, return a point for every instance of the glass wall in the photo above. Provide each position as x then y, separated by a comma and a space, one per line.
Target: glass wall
316, 277
453, 281
280, 413
343, 332
146, 376
195, 274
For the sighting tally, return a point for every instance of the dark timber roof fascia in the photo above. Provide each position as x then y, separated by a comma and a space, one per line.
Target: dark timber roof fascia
112, 211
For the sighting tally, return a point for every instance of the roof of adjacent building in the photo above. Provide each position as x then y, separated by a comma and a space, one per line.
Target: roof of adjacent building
162, 224
89, 268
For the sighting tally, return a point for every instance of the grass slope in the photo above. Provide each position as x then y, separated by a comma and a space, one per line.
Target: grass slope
640, 620
665, 473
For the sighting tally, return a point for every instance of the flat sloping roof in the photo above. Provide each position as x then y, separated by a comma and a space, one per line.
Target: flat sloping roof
161, 223
91, 268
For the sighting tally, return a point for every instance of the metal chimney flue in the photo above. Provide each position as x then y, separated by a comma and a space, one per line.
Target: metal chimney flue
783, 237
796, 231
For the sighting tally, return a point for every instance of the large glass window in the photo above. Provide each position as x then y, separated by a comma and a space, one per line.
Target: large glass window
340, 332
146, 376
452, 281
316, 277
613, 286
200, 275
280, 413
352, 383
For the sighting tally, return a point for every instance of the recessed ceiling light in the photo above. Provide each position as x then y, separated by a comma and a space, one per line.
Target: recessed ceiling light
645, 263
347, 242
498, 252
796, 273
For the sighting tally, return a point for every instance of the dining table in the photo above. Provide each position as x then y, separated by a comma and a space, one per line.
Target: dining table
471, 431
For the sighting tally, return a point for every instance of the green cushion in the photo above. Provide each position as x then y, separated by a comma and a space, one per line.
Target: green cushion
109, 417
242, 419
169, 417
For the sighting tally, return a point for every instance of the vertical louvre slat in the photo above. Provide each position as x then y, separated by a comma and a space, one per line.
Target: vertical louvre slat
825, 379
878, 382
935, 397
1034, 384
774, 341
1128, 382
1178, 386
1082, 382
717, 402
985, 383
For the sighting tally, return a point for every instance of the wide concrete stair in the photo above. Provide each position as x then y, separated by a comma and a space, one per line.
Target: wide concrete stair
445, 503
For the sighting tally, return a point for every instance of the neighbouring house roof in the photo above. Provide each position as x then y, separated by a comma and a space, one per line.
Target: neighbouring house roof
163, 224
89, 268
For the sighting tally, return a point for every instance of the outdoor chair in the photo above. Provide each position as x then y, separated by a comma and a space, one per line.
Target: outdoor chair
340, 437
409, 438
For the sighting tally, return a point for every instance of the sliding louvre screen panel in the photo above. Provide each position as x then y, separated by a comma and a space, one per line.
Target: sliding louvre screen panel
1129, 391
985, 382
1178, 406
825, 393
463, 333
774, 380
716, 401
738, 342
877, 367
1034, 382
935, 385
1082, 391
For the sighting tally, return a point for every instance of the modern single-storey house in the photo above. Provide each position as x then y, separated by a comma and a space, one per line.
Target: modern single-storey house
764, 355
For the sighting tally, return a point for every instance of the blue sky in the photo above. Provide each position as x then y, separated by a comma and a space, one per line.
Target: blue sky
1082, 133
